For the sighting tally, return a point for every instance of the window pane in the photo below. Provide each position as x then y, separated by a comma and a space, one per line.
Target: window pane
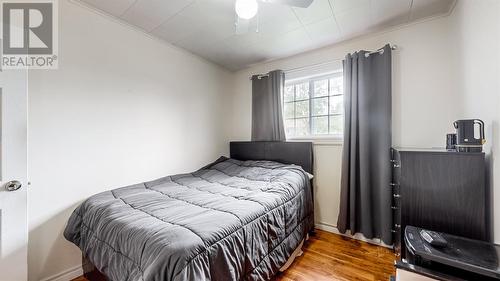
289, 110
321, 88
314, 107
320, 106
302, 109
336, 86
337, 105
290, 127
302, 91
288, 95
320, 125
336, 124
302, 127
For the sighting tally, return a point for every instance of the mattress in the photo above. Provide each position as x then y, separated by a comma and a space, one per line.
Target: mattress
232, 220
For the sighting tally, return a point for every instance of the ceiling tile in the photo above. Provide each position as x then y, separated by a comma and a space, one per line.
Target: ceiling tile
275, 13
323, 32
287, 44
149, 14
319, 10
214, 17
210, 10
113, 7
427, 8
342, 6
176, 29
219, 29
211, 51
273, 29
244, 40
355, 21
390, 12
208, 34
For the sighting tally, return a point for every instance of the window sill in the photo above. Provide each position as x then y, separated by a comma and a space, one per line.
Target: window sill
333, 141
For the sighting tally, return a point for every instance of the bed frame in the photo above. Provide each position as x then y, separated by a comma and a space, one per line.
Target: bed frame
298, 153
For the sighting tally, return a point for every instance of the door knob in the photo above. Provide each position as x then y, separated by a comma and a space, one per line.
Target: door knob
13, 185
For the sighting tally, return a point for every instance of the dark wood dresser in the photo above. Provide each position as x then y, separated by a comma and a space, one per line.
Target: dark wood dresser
439, 190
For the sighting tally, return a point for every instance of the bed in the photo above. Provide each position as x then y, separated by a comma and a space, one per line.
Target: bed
239, 218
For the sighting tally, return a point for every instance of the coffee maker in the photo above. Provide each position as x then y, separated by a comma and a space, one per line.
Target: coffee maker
470, 135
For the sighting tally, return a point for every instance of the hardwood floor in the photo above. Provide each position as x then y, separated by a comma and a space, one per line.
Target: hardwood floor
329, 256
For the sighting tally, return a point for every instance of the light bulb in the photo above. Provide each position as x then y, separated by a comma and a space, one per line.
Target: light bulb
246, 9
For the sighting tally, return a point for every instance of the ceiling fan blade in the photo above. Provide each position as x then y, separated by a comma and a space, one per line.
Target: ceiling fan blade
294, 3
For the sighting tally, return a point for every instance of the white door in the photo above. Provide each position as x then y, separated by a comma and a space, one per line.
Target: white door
13, 175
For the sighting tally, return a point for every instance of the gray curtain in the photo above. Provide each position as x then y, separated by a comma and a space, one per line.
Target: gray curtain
267, 116
365, 197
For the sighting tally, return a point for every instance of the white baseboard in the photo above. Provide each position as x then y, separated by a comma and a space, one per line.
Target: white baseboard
357, 236
66, 275
327, 227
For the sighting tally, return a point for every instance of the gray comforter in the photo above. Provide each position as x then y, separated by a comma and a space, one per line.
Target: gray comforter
231, 220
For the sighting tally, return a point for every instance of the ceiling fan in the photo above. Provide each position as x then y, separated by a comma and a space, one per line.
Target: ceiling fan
247, 9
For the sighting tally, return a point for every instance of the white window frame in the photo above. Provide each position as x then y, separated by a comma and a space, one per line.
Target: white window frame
323, 138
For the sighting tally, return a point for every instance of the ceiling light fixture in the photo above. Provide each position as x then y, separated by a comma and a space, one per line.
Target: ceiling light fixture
246, 9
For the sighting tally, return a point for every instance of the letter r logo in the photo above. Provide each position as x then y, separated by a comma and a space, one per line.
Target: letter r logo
27, 28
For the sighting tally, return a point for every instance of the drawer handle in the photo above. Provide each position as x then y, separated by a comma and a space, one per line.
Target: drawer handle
393, 231
396, 165
396, 195
394, 207
397, 225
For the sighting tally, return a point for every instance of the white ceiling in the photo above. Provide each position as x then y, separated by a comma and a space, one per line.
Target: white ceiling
207, 27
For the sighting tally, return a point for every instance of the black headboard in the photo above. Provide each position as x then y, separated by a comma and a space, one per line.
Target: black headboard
298, 153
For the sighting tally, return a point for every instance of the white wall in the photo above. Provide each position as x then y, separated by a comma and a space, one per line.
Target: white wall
122, 108
425, 97
328, 166
477, 30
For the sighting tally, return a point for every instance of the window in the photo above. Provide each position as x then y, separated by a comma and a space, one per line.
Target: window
314, 107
